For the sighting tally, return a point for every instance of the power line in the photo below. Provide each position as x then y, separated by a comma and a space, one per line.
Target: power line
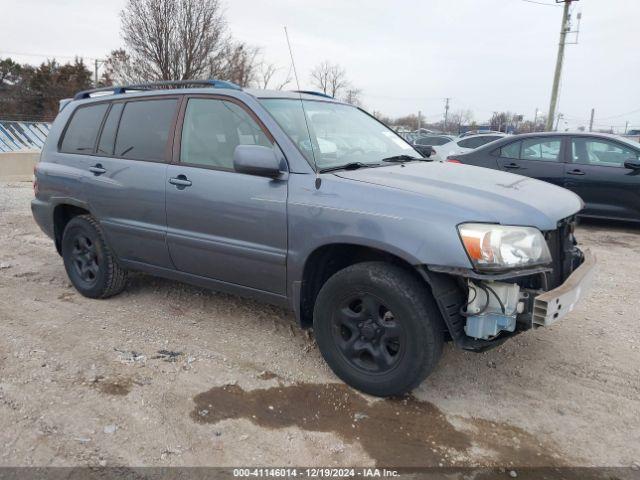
542, 3
42, 55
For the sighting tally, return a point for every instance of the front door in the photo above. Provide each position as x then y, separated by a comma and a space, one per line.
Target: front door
537, 157
224, 225
598, 175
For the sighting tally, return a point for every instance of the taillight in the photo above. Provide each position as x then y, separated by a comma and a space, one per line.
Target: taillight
453, 160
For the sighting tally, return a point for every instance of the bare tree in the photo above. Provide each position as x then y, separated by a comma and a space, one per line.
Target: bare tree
353, 96
330, 78
170, 39
267, 77
119, 69
237, 63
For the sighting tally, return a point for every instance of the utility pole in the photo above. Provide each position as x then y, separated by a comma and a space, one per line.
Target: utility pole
564, 29
593, 111
558, 121
626, 127
419, 120
535, 120
96, 66
446, 112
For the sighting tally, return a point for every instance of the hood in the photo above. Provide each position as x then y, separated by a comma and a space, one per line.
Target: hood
478, 194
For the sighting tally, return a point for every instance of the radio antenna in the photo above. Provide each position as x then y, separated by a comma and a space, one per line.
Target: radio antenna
304, 113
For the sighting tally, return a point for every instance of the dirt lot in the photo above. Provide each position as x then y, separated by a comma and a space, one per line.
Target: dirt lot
168, 374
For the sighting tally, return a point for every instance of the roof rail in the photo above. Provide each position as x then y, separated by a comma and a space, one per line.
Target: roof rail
311, 92
120, 89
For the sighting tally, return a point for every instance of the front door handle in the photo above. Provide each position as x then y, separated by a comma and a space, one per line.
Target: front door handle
97, 169
181, 181
512, 166
575, 172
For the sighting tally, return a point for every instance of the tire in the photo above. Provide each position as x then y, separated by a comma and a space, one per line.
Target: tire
88, 260
378, 328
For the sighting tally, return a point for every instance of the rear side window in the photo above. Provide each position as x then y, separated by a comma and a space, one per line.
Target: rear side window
476, 142
82, 131
545, 149
144, 129
433, 141
212, 130
511, 150
108, 136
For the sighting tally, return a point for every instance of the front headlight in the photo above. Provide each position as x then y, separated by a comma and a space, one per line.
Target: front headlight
497, 247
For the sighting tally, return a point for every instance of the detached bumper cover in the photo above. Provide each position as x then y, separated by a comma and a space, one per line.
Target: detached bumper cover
553, 305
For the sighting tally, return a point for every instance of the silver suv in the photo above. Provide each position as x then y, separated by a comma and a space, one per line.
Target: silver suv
302, 201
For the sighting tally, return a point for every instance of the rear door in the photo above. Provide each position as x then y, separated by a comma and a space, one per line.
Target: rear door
126, 187
537, 157
597, 174
225, 225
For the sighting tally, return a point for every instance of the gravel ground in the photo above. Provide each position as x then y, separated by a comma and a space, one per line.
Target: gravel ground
169, 374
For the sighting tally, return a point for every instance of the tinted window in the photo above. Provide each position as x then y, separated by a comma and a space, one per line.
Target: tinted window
545, 149
83, 128
601, 152
434, 141
108, 135
511, 150
212, 130
475, 142
144, 129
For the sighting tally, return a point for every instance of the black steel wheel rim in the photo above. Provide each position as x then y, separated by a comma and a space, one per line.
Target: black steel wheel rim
368, 334
84, 258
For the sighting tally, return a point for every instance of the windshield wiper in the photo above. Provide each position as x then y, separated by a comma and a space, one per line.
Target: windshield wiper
401, 159
348, 166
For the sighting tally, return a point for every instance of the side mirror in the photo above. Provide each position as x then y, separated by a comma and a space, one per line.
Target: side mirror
256, 160
632, 163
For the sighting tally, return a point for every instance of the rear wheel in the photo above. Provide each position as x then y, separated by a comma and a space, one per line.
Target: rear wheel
378, 328
90, 264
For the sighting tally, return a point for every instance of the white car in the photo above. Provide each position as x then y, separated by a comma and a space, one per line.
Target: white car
463, 145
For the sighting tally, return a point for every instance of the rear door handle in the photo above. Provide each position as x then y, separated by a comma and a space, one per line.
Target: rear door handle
512, 166
180, 181
97, 169
575, 172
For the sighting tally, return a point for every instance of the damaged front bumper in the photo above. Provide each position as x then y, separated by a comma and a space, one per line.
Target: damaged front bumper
472, 327
551, 306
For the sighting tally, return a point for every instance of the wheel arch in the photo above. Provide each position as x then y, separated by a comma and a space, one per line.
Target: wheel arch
63, 212
325, 260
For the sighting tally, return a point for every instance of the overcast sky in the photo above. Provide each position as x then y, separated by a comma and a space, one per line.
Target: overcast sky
406, 56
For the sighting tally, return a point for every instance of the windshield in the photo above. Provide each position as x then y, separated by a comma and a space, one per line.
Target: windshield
340, 134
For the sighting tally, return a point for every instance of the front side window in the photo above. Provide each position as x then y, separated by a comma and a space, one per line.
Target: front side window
212, 129
144, 129
601, 152
83, 128
337, 134
545, 149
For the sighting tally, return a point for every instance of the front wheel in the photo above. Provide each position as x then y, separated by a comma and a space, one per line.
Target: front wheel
378, 328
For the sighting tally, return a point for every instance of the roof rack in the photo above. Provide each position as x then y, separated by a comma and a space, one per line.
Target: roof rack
311, 92
117, 90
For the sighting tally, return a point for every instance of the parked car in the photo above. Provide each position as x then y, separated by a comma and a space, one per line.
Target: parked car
426, 143
321, 209
604, 170
465, 144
